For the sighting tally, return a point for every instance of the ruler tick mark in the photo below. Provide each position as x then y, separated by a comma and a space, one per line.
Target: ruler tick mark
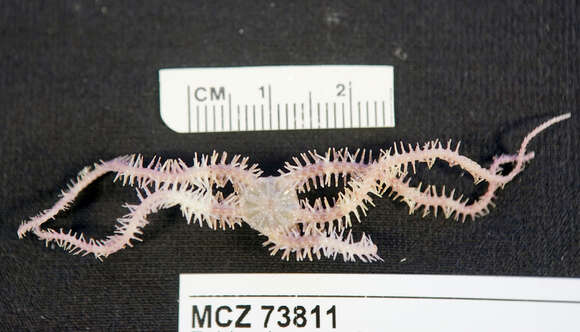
278, 112
302, 117
384, 117
262, 115
270, 103
318, 114
188, 109
205, 117
334, 106
213, 115
310, 107
294, 115
343, 117
359, 115
222, 110
230, 109
326, 107
350, 101
197, 117
238, 107
287, 124
376, 116
368, 116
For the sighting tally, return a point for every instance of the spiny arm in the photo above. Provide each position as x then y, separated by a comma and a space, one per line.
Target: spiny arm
354, 201
431, 200
215, 168
319, 243
171, 173
390, 171
356, 170
196, 205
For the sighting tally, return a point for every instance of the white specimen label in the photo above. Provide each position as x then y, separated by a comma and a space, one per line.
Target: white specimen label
194, 100
375, 302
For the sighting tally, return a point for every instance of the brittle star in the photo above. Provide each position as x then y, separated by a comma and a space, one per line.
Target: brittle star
271, 205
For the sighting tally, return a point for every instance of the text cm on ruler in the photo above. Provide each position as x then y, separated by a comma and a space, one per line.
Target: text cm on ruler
227, 99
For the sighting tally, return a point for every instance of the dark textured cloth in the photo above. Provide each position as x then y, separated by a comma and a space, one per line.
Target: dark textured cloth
79, 83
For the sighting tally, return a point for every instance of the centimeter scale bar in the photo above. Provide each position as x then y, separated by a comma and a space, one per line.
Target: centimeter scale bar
195, 100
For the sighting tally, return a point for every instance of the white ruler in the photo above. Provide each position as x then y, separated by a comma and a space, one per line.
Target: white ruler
376, 303
194, 100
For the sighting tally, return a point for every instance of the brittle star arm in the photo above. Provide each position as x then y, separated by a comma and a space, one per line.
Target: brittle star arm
325, 171
215, 168
130, 170
390, 171
194, 195
430, 198
129, 226
318, 242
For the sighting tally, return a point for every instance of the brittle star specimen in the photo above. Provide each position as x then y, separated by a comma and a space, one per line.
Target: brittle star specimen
271, 205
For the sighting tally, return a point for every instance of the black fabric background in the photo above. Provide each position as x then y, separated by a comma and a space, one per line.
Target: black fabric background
78, 83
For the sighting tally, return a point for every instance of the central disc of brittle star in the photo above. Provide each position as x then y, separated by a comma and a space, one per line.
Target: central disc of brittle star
270, 204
